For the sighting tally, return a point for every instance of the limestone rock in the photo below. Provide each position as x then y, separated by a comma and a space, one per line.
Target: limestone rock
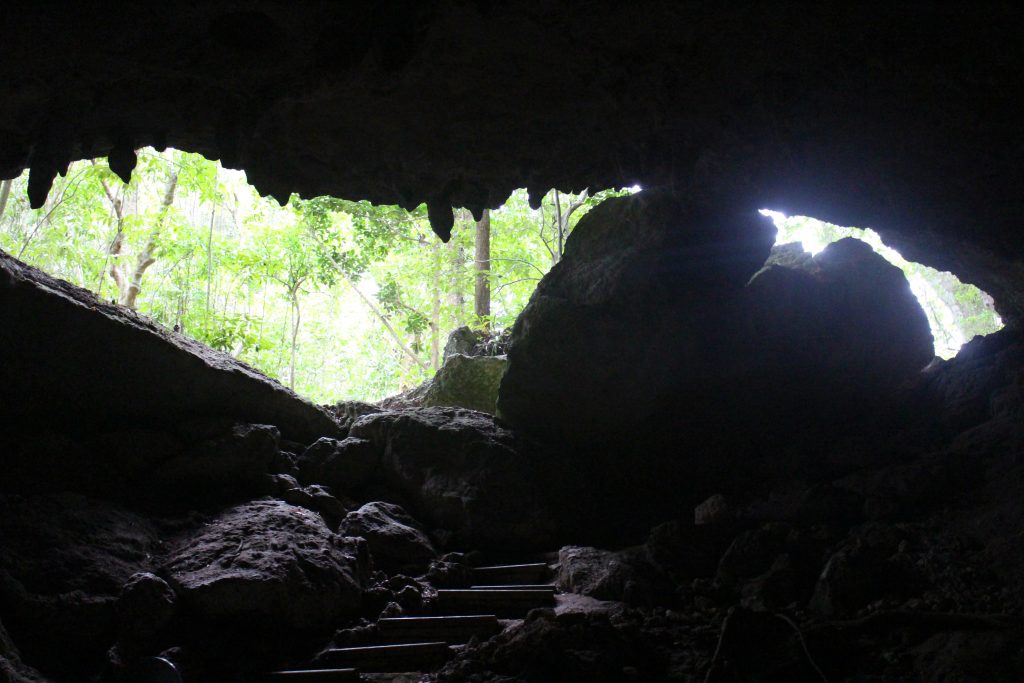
395, 539
635, 268
467, 382
344, 465
230, 465
162, 377
270, 561
461, 341
63, 561
12, 669
462, 472
605, 575
869, 333
145, 606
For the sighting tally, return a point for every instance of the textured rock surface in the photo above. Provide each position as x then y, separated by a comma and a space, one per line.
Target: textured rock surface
463, 473
269, 561
163, 378
467, 382
395, 539
343, 465
12, 669
63, 561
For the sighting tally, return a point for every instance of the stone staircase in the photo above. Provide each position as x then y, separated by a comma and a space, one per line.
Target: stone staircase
424, 643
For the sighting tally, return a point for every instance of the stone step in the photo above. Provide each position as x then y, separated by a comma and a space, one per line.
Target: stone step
453, 630
516, 587
315, 676
500, 602
535, 572
389, 658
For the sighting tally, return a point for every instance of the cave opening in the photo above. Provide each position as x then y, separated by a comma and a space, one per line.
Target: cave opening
957, 311
338, 300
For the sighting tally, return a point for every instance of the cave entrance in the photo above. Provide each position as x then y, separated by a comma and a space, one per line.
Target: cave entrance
334, 298
956, 311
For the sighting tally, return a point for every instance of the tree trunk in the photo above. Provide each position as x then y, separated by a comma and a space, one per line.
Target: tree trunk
148, 255
482, 265
435, 310
5, 193
209, 265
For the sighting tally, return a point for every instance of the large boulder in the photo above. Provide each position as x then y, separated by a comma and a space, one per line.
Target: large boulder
269, 562
841, 330
467, 382
662, 368
462, 473
636, 311
63, 561
113, 366
396, 540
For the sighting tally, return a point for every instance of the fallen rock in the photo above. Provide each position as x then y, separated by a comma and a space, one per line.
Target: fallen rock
715, 511
862, 570
12, 669
645, 268
396, 541
460, 471
269, 561
870, 335
752, 553
467, 382
145, 606
163, 377
347, 412
605, 575
344, 465
227, 466
63, 561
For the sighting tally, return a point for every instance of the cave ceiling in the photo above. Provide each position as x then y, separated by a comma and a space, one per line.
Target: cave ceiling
905, 117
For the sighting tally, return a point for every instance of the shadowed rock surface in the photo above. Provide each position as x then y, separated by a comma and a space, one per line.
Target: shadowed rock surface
70, 346
270, 561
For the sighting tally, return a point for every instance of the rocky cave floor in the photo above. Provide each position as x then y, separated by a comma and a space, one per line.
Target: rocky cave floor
247, 552
727, 501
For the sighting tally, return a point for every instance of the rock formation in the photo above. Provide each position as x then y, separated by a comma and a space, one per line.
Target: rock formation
861, 513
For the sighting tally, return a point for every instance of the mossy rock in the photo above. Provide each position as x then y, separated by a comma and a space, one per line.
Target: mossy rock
467, 382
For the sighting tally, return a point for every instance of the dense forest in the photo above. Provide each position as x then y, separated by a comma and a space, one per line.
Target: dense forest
337, 299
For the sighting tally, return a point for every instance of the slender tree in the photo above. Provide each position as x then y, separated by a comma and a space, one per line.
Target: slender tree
482, 266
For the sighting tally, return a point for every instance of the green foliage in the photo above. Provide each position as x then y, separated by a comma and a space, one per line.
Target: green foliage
319, 277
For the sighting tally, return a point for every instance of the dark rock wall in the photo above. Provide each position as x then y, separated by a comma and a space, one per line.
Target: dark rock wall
903, 118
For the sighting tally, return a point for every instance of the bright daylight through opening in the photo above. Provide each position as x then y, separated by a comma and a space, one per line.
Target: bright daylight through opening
956, 311
336, 299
